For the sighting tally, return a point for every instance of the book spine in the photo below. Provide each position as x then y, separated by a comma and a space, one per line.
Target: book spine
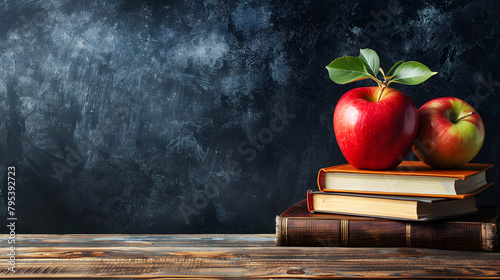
363, 233
280, 235
490, 237
321, 173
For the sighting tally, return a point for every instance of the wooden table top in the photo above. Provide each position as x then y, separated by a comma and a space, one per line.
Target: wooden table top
220, 256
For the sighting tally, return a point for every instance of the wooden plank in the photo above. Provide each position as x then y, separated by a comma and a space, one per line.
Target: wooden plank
172, 240
229, 256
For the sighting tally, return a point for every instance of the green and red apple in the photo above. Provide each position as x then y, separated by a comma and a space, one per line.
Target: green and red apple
375, 127
450, 133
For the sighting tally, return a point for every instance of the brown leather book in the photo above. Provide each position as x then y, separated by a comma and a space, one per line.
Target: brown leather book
410, 178
298, 227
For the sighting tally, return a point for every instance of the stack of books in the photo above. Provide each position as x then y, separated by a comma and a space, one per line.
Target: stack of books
413, 205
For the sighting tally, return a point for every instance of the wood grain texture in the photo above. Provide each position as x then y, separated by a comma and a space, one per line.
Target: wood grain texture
230, 256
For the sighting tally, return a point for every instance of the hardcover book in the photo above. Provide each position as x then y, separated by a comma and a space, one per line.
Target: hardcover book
385, 206
410, 178
298, 227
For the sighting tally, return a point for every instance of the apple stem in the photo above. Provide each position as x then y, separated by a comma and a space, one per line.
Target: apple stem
382, 86
463, 117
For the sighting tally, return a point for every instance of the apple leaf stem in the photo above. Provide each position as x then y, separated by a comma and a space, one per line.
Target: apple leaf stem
383, 74
379, 82
349, 69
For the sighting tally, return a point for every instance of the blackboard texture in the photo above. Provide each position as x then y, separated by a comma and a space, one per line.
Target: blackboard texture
207, 116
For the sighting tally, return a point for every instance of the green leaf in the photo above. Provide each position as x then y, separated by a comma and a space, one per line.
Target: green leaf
347, 69
411, 73
370, 58
394, 67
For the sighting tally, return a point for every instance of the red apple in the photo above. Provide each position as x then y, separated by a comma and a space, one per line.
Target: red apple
375, 131
450, 133
375, 126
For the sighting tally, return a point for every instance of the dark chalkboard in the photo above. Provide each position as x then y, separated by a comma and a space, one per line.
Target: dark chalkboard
207, 116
